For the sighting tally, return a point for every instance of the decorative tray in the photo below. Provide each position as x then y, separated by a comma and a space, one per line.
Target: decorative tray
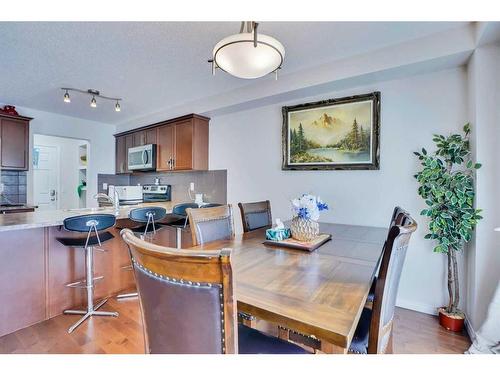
294, 244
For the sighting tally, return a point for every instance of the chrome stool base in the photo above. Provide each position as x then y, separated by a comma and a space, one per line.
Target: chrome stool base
127, 295
88, 314
89, 285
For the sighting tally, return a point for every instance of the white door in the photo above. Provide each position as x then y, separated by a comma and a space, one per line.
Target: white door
46, 177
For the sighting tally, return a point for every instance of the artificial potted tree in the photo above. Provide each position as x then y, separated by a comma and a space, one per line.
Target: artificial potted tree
447, 186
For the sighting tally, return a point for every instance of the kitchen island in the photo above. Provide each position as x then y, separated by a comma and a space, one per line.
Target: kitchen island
35, 267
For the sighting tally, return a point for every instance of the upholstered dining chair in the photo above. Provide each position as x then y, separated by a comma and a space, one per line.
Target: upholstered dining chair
210, 224
374, 331
187, 304
255, 215
398, 215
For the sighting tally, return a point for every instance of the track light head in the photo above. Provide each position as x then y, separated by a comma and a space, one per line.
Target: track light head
117, 107
93, 102
67, 99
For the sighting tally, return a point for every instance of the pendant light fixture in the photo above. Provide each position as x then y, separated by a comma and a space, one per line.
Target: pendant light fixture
94, 94
248, 54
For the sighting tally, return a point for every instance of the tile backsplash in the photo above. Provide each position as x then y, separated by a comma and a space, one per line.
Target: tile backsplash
14, 186
213, 184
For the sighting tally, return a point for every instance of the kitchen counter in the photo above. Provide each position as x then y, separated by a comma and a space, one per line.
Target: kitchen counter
39, 219
36, 267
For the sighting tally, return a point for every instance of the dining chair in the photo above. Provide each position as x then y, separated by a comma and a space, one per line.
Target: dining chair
374, 331
397, 216
187, 303
255, 215
210, 224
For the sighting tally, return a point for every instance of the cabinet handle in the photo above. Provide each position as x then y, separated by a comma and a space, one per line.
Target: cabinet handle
173, 163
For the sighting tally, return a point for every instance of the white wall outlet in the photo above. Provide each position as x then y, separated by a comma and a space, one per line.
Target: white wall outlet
104, 186
191, 186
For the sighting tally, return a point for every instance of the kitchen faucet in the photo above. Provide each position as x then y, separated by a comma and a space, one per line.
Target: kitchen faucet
115, 201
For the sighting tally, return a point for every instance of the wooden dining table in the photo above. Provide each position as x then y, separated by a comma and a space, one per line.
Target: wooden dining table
318, 294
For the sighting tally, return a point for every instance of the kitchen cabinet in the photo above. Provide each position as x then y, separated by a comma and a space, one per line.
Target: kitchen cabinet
182, 144
121, 155
14, 142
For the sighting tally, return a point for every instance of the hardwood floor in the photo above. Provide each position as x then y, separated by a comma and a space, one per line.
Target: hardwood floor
413, 333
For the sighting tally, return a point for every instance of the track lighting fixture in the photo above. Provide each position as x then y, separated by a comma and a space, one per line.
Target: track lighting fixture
94, 93
67, 99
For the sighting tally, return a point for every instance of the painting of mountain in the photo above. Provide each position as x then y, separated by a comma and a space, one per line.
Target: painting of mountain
333, 134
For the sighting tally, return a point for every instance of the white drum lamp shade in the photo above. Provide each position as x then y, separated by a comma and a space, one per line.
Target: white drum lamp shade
238, 55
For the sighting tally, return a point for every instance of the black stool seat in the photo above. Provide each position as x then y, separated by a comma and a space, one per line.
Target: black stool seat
142, 228
81, 241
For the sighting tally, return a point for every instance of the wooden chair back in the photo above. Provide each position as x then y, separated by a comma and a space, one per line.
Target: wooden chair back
210, 224
255, 215
397, 215
186, 298
387, 285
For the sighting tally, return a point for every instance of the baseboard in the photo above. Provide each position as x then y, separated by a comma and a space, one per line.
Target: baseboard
420, 307
470, 329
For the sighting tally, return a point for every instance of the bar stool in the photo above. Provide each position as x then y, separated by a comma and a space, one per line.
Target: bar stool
148, 216
89, 224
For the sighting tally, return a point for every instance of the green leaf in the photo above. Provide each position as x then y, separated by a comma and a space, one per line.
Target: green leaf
424, 151
477, 165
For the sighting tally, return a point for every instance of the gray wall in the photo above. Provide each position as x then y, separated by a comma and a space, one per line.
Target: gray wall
213, 184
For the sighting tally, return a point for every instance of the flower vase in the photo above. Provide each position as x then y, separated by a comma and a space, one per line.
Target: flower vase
304, 229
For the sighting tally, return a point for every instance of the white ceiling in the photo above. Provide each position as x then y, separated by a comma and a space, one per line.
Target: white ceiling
153, 66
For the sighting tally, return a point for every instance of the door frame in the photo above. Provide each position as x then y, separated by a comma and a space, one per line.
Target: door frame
58, 166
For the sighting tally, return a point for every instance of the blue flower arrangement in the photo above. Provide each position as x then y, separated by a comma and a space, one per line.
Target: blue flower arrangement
308, 207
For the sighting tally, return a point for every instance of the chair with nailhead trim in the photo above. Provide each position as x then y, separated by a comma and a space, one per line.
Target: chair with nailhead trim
255, 215
187, 304
210, 223
374, 331
397, 215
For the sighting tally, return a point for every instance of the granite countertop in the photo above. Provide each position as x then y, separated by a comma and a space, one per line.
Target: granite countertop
39, 219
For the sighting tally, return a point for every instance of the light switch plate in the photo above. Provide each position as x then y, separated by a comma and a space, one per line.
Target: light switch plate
104, 186
191, 186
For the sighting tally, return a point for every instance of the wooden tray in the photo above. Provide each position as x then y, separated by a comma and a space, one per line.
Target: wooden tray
294, 244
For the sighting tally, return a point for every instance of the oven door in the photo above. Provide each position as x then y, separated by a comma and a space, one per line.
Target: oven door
142, 158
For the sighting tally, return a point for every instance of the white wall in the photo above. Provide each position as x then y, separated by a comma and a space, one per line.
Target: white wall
248, 145
484, 255
99, 136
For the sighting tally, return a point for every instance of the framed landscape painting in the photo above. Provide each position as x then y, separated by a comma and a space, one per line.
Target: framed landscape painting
332, 134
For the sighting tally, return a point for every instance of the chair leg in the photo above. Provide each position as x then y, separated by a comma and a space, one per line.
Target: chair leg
89, 286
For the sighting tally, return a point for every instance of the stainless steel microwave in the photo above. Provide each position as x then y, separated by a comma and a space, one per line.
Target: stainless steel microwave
142, 158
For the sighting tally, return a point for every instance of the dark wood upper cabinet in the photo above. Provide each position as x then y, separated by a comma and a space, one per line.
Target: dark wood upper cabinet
150, 137
121, 155
14, 142
165, 147
182, 143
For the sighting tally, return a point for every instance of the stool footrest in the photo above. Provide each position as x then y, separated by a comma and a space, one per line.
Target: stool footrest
83, 283
127, 268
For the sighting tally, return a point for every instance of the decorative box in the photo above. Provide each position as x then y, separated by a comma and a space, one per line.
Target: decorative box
278, 234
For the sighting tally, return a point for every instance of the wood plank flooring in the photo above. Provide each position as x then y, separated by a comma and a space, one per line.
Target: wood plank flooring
413, 333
